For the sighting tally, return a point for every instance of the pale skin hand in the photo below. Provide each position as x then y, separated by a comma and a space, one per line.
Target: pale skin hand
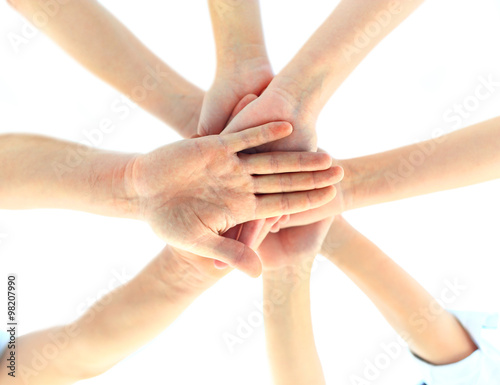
462, 158
120, 323
190, 191
104, 46
287, 259
299, 92
203, 188
398, 297
242, 63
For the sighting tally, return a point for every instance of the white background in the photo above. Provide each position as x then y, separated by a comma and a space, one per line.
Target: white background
397, 96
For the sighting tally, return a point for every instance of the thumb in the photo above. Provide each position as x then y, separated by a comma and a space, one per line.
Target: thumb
247, 99
230, 251
214, 115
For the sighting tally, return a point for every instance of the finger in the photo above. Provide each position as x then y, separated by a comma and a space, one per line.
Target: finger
299, 181
284, 220
214, 114
251, 231
275, 228
264, 232
220, 265
256, 136
232, 233
247, 99
231, 252
270, 205
281, 162
312, 216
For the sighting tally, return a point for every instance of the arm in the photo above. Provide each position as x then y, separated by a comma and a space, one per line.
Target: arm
299, 92
190, 191
439, 339
99, 42
242, 63
289, 332
119, 323
346, 37
287, 259
461, 158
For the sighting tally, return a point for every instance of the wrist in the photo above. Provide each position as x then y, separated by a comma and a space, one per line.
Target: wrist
365, 181
289, 276
178, 105
340, 241
237, 56
300, 97
284, 291
180, 276
102, 185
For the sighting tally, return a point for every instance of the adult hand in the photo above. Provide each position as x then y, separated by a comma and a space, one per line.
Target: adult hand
192, 191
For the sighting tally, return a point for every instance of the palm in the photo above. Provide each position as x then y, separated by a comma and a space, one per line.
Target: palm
293, 246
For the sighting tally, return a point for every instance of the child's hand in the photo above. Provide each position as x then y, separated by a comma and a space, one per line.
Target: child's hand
229, 88
290, 252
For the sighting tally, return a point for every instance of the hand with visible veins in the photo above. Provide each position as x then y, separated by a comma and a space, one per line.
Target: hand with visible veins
192, 191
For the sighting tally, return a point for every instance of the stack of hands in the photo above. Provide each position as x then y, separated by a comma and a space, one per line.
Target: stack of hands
247, 188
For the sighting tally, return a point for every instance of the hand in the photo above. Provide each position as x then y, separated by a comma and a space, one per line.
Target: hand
190, 272
192, 191
293, 248
276, 105
335, 207
276, 102
229, 88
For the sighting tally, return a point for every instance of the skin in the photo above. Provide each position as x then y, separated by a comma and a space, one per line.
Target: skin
300, 91
461, 158
398, 296
243, 65
104, 46
286, 275
190, 191
116, 323
287, 259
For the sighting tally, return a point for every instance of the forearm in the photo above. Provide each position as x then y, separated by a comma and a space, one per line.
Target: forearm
238, 34
98, 41
346, 37
119, 324
141, 309
289, 333
41, 172
431, 332
461, 158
